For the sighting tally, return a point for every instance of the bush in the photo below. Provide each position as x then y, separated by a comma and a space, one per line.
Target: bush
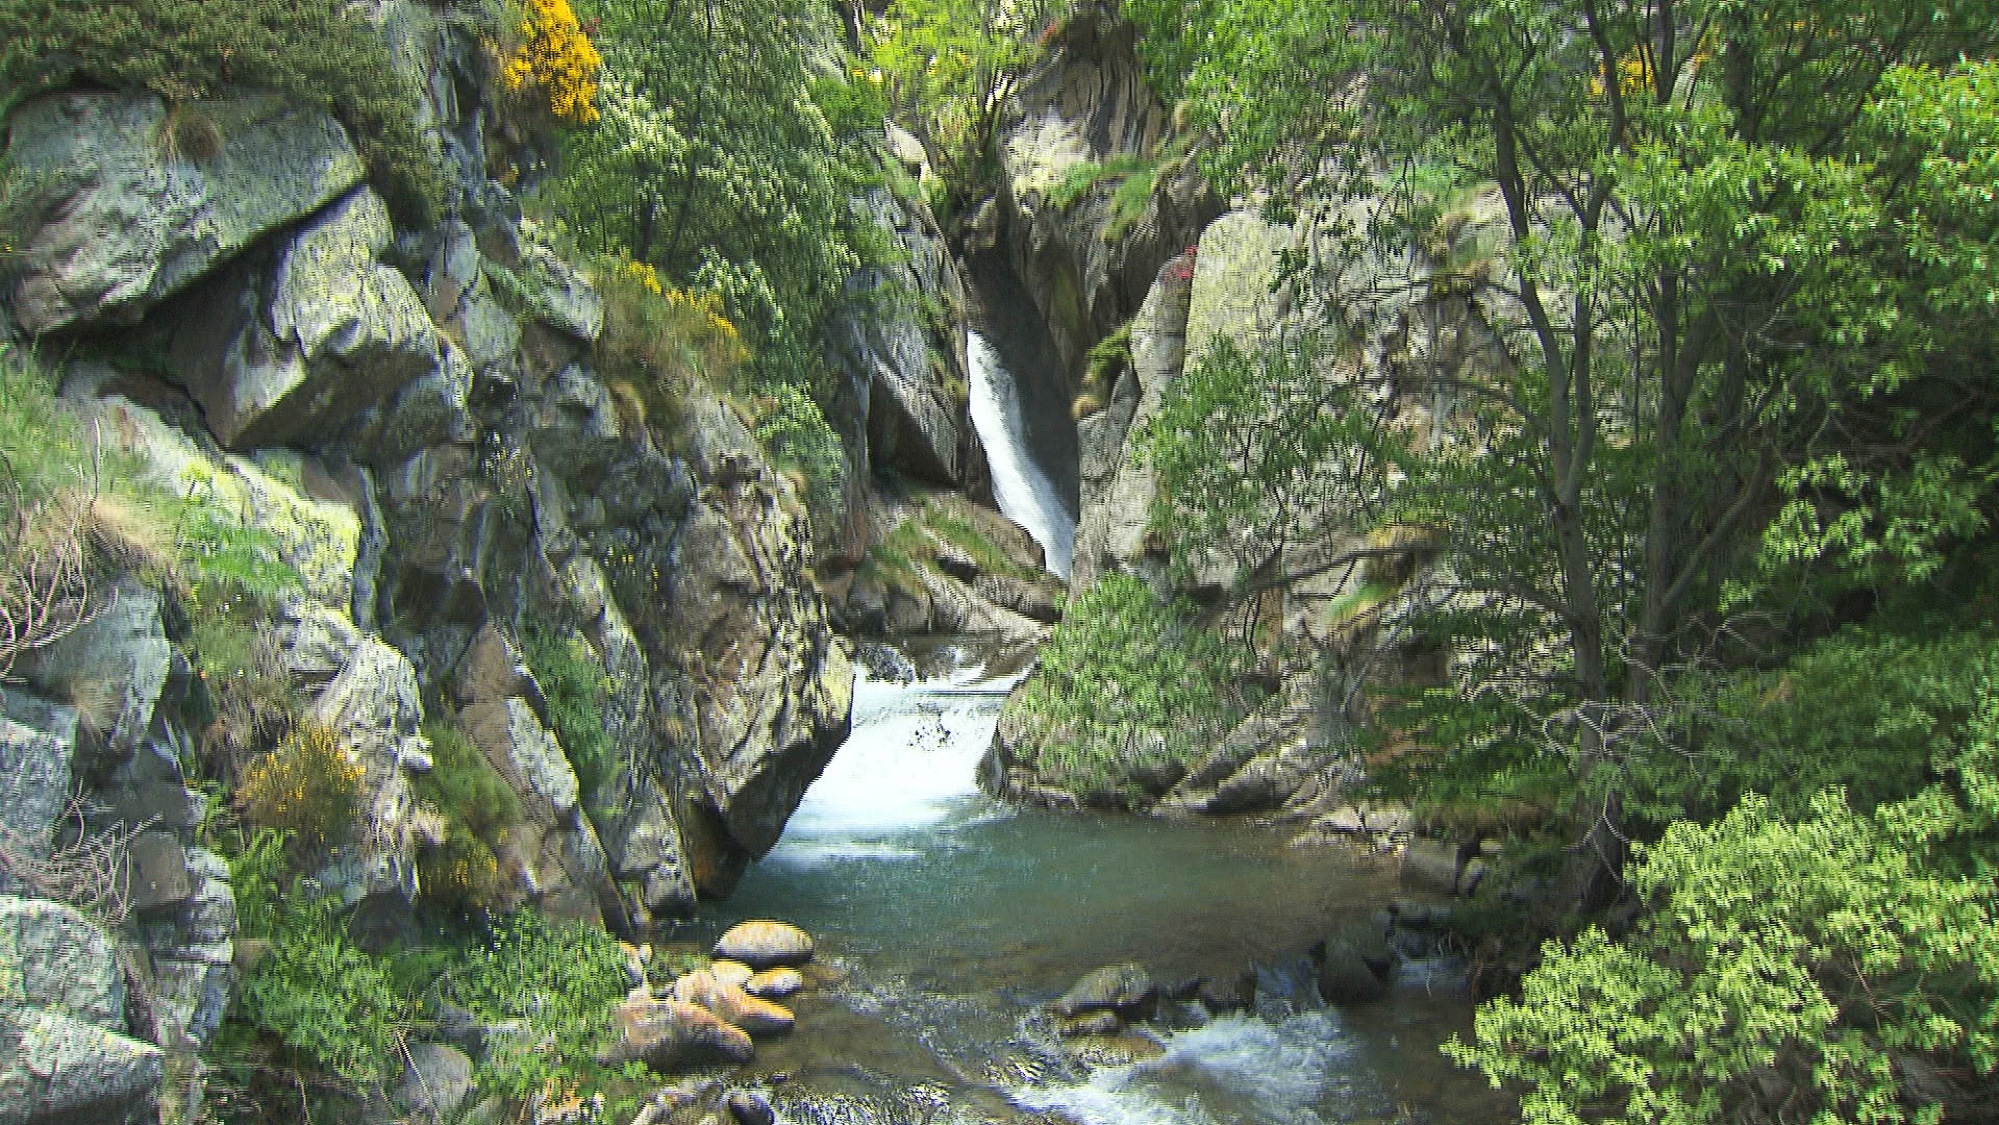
575, 685
321, 53
1833, 967
1127, 686
309, 787
557, 58
335, 1007
478, 807
662, 338
561, 980
794, 433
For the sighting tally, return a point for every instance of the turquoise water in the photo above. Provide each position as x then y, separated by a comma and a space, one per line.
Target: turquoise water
945, 919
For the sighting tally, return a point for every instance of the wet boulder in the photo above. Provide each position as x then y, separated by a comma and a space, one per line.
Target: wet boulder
1125, 989
772, 984
669, 1035
731, 1004
765, 944
1355, 963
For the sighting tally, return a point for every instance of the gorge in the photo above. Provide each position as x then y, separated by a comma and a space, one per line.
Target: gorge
1248, 561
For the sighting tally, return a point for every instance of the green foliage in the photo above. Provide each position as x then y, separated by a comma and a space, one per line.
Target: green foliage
334, 1007
1127, 689
950, 66
256, 867
573, 681
42, 449
309, 788
1875, 712
318, 52
983, 552
793, 431
725, 159
1788, 970
560, 980
1082, 177
478, 807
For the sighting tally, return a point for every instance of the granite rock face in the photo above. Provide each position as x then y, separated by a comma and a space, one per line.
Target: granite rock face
297, 344
1087, 269
132, 220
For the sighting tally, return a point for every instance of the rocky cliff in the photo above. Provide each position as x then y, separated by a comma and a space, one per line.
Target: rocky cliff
413, 421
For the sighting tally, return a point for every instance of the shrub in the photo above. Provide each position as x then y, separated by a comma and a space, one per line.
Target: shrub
794, 432
478, 807
321, 53
575, 686
663, 338
560, 980
308, 787
556, 57
1127, 686
334, 1006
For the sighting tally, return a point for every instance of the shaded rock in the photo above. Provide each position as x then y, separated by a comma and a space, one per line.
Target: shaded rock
1431, 863
1229, 995
750, 1108
765, 944
526, 754
436, 1081
115, 663
575, 429
669, 1035
772, 984
130, 224
1354, 963
159, 871
562, 296
311, 339
1122, 988
70, 1071
1089, 1023
191, 997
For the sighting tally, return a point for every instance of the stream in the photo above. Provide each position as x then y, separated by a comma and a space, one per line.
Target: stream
945, 920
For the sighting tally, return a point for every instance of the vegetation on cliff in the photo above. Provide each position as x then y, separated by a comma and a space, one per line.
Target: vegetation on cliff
1741, 265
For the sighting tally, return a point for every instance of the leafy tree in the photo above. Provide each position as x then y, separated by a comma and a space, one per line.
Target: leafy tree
950, 66
714, 164
1865, 988
1739, 256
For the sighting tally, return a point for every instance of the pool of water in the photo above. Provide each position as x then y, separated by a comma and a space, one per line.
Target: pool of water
945, 919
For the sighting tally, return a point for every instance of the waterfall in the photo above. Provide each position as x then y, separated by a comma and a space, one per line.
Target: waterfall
1023, 490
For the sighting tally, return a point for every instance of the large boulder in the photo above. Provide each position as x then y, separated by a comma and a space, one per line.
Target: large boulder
772, 685
112, 667
135, 218
64, 1071
732, 1003
288, 350
59, 959
436, 1080
1122, 988
669, 1035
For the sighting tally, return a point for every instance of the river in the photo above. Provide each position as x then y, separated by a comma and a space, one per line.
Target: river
945, 920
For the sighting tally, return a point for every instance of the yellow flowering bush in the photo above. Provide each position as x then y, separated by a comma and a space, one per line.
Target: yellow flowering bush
663, 337
556, 55
309, 786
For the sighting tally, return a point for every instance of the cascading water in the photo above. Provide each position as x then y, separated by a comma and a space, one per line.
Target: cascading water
1024, 492
948, 920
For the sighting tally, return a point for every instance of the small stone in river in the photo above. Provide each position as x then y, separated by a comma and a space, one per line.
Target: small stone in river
750, 1108
1123, 987
1102, 1022
732, 972
765, 944
771, 984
